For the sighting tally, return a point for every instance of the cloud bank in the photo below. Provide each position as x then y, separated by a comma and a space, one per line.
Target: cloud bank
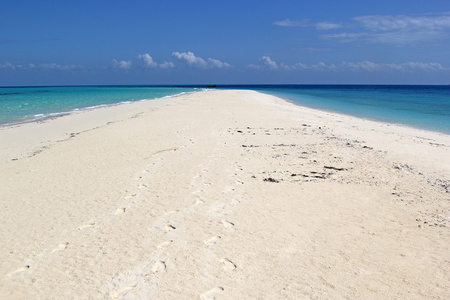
351, 66
265, 62
47, 66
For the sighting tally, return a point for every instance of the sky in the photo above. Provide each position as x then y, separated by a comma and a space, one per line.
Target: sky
149, 42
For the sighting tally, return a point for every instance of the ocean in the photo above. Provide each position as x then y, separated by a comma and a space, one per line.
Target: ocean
25, 104
420, 106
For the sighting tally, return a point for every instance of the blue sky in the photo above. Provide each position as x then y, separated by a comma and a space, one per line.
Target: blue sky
236, 42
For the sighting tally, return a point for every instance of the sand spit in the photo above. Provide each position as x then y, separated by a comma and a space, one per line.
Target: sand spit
223, 195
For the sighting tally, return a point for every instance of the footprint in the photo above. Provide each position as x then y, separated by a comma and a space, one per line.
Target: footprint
235, 201
61, 247
164, 244
199, 201
123, 291
212, 293
228, 265
142, 186
158, 267
227, 224
86, 226
169, 227
120, 210
212, 241
130, 196
18, 271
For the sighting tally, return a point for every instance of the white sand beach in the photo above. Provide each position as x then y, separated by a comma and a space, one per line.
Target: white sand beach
223, 195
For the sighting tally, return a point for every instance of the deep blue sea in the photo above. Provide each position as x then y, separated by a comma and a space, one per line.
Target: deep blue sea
421, 106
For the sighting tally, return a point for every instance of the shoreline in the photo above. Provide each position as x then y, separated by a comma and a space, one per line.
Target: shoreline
213, 193
43, 133
374, 119
358, 117
48, 116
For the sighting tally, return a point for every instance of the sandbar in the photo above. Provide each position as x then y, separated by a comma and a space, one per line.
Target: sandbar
227, 194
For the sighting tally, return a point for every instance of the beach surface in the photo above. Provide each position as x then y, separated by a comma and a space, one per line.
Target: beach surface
223, 195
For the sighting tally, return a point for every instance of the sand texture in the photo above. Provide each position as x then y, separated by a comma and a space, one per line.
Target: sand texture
223, 195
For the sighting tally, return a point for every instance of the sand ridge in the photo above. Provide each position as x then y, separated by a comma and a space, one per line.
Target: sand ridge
226, 195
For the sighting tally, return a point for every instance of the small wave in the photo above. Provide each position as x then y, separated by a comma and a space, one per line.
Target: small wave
96, 106
174, 95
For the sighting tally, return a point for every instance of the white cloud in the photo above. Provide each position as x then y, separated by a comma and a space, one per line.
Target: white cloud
254, 67
345, 37
122, 64
289, 23
306, 23
48, 66
148, 60
166, 65
8, 65
191, 59
404, 23
363, 65
398, 30
408, 66
387, 29
327, 26
199, 62
300, 66
269, 62
423, 66
321, 66
54, 66
217, 63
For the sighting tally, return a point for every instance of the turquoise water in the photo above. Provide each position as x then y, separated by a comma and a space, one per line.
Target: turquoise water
425, 107
21, 104
420, 106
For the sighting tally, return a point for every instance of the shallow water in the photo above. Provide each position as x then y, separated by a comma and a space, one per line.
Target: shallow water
20, 104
